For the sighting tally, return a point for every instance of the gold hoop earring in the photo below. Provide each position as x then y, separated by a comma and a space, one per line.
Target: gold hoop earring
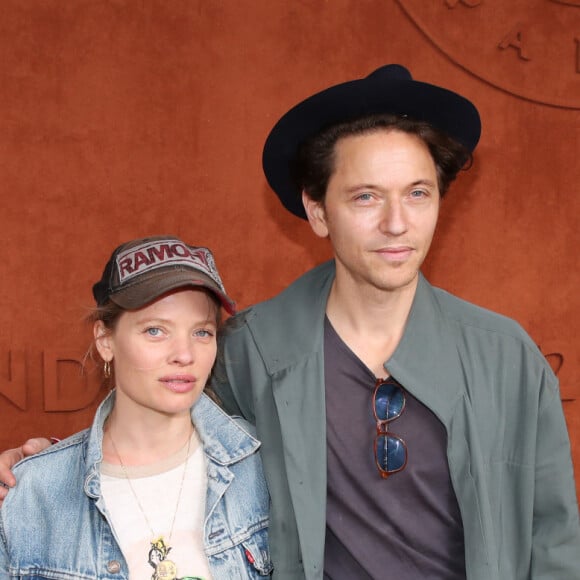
107, 369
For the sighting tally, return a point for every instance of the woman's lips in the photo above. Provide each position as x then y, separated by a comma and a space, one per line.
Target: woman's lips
179, 383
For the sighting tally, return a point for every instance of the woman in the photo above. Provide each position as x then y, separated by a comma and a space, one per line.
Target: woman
164, 484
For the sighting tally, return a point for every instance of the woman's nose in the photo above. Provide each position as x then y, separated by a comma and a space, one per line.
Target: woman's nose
183, 350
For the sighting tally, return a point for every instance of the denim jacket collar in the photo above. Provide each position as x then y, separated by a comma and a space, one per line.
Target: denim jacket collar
225, 442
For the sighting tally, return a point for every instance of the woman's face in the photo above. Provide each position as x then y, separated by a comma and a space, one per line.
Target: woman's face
163, 353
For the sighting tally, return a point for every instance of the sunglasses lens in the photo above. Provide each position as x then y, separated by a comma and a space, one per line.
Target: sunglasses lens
389, 401
391, 453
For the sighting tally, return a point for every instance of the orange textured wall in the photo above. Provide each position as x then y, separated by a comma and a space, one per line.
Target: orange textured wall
123, 118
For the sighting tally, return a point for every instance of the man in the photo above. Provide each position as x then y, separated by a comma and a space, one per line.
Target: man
406, 433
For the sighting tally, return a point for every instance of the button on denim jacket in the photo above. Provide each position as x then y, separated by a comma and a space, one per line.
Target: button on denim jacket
54, 524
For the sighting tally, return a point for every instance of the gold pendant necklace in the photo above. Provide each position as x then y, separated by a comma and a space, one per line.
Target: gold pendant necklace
157, 558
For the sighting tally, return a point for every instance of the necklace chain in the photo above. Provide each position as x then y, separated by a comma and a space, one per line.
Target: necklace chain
139, 505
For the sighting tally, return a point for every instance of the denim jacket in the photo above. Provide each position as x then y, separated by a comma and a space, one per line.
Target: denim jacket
55, 525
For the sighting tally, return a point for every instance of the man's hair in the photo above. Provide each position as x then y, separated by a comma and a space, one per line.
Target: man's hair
314, 163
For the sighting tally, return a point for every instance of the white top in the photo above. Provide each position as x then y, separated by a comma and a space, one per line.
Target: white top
157, 487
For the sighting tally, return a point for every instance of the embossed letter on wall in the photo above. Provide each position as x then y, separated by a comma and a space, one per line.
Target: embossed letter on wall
69, 383
530, 48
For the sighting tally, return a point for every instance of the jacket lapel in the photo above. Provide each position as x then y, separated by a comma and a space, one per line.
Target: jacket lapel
428, 364
426, 361
295, 362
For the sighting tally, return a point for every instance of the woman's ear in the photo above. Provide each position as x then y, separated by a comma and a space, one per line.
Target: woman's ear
316, 215
103, 340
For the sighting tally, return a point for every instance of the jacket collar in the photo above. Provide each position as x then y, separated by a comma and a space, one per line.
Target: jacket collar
426, 361
307, 297
225, 440
94, 449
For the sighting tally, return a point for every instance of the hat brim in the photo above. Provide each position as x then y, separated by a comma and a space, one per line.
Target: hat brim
141, 293
390, 89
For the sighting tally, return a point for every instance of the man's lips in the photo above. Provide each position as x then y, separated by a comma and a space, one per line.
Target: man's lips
396, 253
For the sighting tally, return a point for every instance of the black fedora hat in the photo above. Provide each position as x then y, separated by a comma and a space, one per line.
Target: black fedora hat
389, 89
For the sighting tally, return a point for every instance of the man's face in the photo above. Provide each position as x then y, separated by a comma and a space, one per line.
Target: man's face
380, 211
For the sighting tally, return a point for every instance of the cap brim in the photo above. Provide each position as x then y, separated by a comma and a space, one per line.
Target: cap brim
143, 292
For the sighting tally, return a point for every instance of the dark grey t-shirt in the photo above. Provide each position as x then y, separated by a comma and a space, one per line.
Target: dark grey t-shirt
407, 526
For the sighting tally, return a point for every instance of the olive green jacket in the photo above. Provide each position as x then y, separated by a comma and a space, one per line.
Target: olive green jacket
479, 372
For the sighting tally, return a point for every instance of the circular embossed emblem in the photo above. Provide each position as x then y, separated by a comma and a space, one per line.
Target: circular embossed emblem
530, 48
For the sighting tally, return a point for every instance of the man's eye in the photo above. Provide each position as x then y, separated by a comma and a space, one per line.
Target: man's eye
417, 193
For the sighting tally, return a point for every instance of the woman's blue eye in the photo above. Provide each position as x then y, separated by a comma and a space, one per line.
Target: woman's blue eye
203, 333
154, 331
